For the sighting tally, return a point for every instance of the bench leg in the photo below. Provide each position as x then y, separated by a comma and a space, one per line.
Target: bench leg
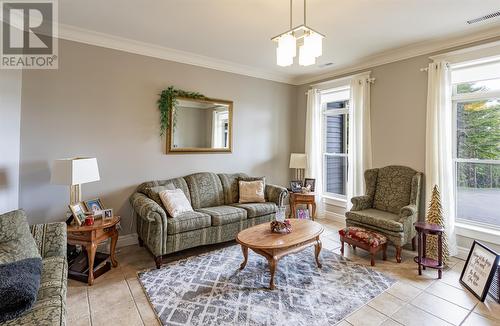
398, 254
372, 259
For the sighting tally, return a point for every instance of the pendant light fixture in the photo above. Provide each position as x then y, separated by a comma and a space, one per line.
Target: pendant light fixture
309, 41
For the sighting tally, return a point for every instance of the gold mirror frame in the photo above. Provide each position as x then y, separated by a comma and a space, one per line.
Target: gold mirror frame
196, 150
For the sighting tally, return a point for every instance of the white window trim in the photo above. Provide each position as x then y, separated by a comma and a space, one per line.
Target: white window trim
466, 228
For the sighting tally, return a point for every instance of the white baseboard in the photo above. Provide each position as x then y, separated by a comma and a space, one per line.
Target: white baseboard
462, 252
335, 216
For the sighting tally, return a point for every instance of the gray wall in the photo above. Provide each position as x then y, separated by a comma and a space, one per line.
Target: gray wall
102, 103
10, 122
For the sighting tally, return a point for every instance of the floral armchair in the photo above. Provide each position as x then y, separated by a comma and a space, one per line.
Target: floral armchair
390, 205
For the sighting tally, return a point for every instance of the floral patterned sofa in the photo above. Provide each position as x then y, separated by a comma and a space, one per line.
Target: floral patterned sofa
50, 305
217, 215
390, 206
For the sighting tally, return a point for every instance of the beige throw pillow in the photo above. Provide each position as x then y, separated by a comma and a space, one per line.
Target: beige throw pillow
252, 191
175, 202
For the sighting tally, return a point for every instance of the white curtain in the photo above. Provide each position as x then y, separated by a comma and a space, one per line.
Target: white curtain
313, 143
360, 143
438, 145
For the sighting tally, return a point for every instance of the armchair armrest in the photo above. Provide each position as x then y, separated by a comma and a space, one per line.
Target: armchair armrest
50, 239
407, 211
148, 209
273, 193
361, 202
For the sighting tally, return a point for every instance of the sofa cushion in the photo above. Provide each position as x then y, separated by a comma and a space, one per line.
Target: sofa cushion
54, 276
45, 312
230, 186
224, 214
376, 218
205, 189
393, 188
188, 221
179, 183
252, 191
258, 209
154, 192
16, 242
175, 202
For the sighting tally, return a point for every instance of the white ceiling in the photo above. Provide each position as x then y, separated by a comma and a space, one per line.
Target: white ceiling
237, 33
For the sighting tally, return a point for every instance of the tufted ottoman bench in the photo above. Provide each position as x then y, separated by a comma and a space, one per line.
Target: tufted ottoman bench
368, 240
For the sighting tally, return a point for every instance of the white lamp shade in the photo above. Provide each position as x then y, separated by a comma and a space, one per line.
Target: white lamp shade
283, 58
74, 171
314, 44
298, 161
306, 57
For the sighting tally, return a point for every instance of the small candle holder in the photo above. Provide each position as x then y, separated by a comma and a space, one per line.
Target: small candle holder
89, 220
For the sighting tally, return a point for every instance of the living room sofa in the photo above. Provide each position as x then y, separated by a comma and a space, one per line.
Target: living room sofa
217, 215
50, 239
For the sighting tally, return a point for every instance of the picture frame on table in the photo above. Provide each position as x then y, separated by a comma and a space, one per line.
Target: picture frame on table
94, 206
107, 214
479, 269
78, 212
302, 214
310, 182
296, 185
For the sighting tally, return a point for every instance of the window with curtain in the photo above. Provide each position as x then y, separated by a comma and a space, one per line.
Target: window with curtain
476, 106
335, 116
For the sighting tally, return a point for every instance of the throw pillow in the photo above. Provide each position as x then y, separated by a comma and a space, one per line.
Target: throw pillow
175, 202
154, 192
252, 191
19, 284
16, 242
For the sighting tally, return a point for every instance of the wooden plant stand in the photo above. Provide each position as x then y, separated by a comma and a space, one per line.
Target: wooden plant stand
423, 229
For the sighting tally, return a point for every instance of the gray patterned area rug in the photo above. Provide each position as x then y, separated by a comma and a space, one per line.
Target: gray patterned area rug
211, 290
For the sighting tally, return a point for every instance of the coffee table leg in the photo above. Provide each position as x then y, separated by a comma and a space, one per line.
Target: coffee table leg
273, 263
245, 257
317, 250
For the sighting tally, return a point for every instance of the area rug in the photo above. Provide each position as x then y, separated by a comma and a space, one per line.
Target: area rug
211, 290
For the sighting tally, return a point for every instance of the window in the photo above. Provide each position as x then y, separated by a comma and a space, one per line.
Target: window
476, 105
335, 113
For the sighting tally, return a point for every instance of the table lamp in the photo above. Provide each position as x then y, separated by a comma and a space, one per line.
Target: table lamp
74, 172
298, 161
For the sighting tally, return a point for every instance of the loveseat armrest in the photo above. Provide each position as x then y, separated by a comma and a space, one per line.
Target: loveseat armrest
50, 239
361, 202
273, 193
148, 209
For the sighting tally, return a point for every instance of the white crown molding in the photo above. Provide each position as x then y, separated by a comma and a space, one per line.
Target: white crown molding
77, 34
402, 53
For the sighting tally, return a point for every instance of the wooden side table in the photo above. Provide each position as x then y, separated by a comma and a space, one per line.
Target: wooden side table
297, 198
423, 229
89, 237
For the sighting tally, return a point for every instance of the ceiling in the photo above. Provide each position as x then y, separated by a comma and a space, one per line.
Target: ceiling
234, 35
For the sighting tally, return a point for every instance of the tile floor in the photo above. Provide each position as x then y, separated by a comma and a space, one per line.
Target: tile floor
116, 298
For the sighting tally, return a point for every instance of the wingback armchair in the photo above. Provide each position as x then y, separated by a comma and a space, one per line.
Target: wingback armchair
390, 205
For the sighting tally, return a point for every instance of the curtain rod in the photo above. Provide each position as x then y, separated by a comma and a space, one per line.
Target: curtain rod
368, 80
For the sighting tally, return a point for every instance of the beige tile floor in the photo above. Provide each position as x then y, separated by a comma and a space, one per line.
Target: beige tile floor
116, 298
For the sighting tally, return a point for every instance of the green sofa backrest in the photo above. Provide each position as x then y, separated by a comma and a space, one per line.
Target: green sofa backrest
231, 186
205, 189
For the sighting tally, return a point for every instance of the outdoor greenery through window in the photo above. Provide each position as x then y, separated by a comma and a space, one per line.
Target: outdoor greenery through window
476, 104
335, 108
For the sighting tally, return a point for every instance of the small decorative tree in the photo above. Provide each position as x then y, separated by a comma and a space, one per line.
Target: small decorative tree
435, 216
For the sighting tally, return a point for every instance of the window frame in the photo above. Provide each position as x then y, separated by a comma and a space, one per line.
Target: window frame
455, 99
324, 154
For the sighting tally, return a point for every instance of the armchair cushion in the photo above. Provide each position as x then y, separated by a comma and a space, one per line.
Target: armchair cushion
393, 188
258, 209
188, 221
376, 218
16, 242
224, 214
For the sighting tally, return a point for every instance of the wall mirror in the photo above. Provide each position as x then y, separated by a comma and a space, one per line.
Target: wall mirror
201, 126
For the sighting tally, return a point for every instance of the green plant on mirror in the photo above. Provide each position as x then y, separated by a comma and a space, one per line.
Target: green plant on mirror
168, 101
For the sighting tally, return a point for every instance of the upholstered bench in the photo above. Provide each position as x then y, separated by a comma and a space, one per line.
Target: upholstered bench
368, 240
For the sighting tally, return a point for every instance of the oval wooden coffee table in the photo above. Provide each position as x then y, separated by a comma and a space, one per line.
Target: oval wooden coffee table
273, 246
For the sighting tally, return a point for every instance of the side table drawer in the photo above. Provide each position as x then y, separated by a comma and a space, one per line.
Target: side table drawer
81, 236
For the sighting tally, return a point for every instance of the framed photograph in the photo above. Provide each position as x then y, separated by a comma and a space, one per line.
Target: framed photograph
302, 213
311, 183
94, 206
479, 269
296, 185
78, 213
107, 213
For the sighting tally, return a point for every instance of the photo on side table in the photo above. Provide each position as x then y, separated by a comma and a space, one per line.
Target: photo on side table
78, 213
296, 186
310, 183
94, 206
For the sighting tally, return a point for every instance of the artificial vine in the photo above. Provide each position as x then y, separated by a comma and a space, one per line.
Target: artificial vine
168, 101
